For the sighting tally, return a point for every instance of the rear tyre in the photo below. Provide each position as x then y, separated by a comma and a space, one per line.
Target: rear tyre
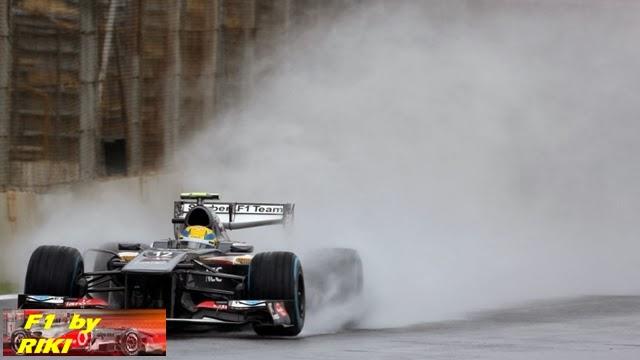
278, 276
55, 271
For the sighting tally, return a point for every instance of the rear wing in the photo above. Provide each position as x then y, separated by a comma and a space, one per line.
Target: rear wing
236, 215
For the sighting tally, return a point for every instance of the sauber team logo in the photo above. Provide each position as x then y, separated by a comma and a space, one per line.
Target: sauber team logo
243, 209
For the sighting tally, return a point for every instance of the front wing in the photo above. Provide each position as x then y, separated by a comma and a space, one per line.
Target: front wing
271, 312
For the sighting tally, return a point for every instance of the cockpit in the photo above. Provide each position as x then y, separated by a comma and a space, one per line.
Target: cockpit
200, 224
194, 244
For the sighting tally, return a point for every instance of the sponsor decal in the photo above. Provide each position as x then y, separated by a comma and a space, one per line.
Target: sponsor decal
243, 304
45, 299
85, 302
243, 209
280, 309
216, 208
214, 279
210, 304
84, 332
279, 313
259, 209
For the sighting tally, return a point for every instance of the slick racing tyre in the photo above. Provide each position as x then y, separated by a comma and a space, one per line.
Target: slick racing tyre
278, 276
55, 271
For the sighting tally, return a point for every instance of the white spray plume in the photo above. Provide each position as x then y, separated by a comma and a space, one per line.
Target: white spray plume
475, 155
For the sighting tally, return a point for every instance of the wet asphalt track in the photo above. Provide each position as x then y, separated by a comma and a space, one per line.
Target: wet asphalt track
604, 327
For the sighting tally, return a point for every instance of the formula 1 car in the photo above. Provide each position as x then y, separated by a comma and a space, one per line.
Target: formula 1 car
201, 282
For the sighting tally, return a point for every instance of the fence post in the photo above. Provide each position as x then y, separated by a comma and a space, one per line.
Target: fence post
212, 39
88, 100
133, 92
5, 91
249, 43
173, 88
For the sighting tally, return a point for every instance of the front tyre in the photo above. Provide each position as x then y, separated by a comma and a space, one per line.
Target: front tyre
278, 276
55, 271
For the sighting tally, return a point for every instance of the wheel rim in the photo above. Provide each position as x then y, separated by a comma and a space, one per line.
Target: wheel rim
17, 339
131, 343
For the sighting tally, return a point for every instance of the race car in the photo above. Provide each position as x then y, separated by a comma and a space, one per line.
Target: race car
200, 276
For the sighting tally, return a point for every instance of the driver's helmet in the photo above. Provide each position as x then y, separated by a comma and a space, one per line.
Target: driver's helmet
198, 232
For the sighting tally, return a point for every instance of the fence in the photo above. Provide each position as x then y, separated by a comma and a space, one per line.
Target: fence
92, 89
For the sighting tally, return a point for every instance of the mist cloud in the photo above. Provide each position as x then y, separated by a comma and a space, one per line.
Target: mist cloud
476, 155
